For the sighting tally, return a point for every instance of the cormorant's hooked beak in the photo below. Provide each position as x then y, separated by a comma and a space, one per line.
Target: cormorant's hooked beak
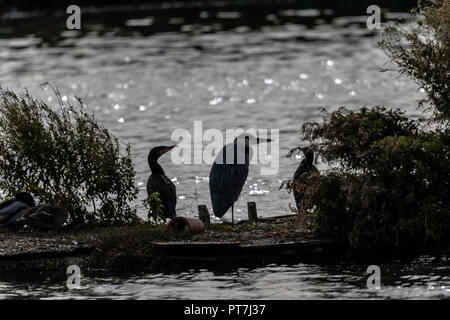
167, 149
262, 140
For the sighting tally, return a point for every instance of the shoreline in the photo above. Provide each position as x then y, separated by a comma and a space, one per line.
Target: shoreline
143, 247
154, 248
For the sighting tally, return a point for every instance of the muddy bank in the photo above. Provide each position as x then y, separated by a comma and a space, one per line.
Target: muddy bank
33, 244
148, 247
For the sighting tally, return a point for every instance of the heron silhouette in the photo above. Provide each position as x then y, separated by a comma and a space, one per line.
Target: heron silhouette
229, 173
159, 182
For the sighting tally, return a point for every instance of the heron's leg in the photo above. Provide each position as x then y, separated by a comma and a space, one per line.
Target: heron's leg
232, 214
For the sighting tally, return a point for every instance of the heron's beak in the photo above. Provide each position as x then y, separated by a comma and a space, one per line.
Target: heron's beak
262, 140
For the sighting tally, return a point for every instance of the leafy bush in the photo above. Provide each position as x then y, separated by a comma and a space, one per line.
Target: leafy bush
398, 198
391, 188
67, 156
345, 136
423, 54
154, 206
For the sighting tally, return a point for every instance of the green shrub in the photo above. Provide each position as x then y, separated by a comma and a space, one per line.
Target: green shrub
423, 54
389, 186
392, 192
64, 154
154, 206
345, 136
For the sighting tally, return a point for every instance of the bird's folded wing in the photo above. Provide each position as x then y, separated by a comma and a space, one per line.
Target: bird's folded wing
6, 203
224, 178
40, 215
166, 180
8, 212
302, 168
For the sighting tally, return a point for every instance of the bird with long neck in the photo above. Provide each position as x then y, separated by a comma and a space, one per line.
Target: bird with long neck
306, 165
159, 182
229, 173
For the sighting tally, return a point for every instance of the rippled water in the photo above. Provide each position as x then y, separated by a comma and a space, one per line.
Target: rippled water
426, 277
276, 76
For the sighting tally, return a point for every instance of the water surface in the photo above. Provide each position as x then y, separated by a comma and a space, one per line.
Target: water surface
143, 80
143, 85
425, 277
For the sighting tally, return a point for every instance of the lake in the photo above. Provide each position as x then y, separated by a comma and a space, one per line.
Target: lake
145, 74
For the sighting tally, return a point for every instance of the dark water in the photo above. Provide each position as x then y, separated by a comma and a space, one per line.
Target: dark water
147, 73
144, 79
425, 277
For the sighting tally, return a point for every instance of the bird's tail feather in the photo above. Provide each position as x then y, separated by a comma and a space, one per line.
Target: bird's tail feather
220, 207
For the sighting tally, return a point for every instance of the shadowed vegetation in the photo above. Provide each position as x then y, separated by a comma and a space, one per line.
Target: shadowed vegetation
64, 154
423, 54
134, 250
154, 207
130, 248
389, 188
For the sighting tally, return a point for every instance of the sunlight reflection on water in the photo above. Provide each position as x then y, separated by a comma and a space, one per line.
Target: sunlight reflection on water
276, 77
143, 88
301, 281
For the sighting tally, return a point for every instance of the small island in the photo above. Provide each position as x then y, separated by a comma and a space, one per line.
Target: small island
385, 192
